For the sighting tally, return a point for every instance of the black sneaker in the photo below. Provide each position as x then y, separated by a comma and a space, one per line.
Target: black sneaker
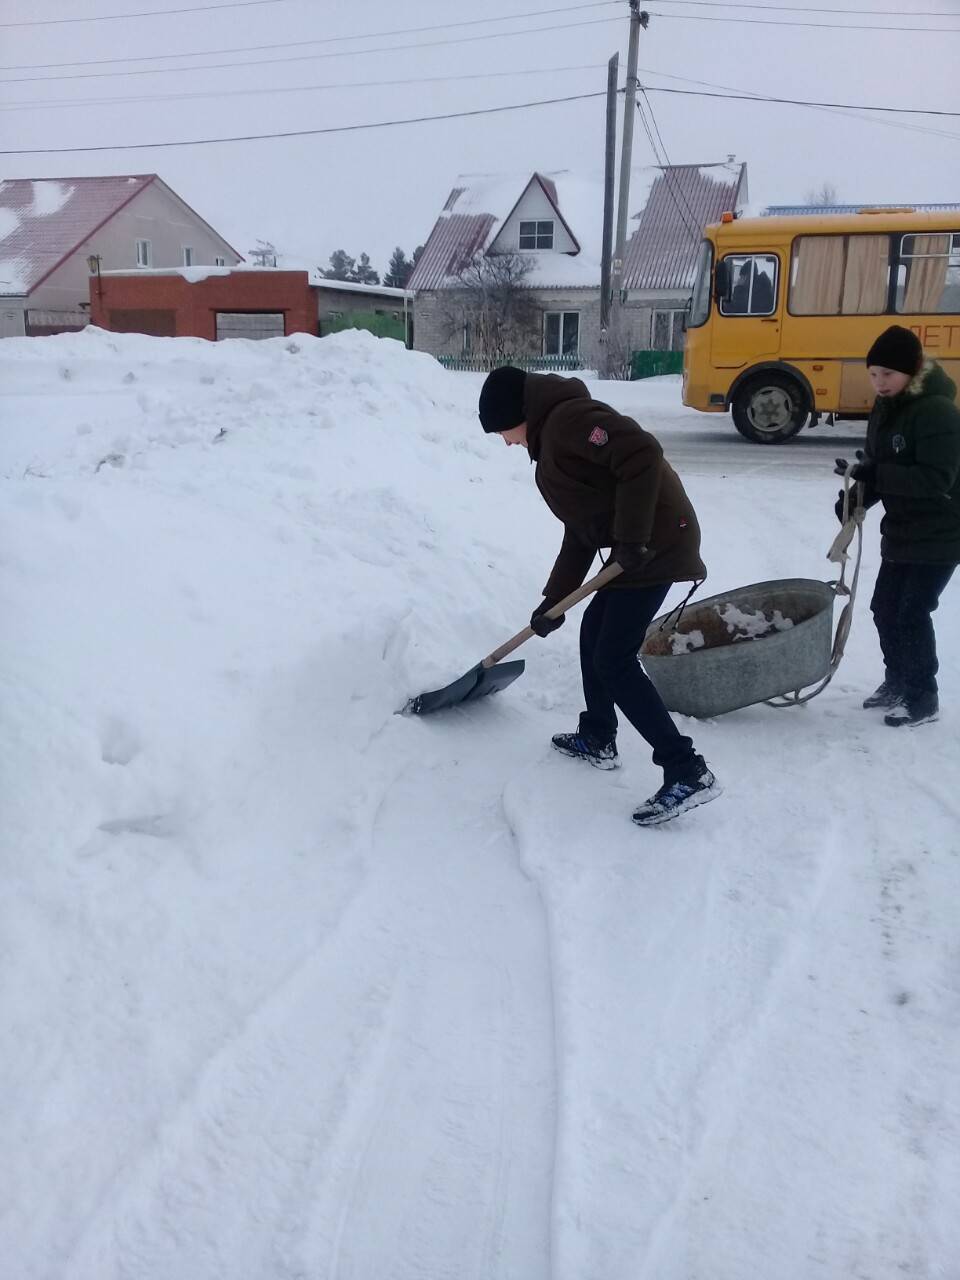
886, 695
677, 797
600, 755
923, 708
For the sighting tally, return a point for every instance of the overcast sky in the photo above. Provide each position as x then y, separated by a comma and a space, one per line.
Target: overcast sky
370, 190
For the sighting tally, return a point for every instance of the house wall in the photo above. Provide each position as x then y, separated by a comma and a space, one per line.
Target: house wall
334, 306
533, 205
154, 215
13, 317
436, 309
176, 307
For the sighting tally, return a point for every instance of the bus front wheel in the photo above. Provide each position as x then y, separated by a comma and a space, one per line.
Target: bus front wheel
770, 408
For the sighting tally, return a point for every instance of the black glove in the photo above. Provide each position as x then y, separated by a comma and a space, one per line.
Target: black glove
541, 624
631, 555
863, 468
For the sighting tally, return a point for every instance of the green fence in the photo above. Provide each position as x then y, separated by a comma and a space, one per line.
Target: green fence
653, 364
383, 326
532, 364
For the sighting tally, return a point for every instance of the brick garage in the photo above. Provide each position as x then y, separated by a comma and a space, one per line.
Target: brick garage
171, 304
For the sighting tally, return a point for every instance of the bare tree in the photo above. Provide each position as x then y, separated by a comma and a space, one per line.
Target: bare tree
822, 196
492, 305
264, 255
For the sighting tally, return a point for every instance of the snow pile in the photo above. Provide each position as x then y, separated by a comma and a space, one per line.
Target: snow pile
297, 986
752, 624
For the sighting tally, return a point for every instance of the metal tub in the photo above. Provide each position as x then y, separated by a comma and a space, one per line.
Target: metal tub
711, 680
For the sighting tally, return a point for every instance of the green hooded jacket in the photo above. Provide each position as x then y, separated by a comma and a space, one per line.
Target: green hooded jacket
914, 439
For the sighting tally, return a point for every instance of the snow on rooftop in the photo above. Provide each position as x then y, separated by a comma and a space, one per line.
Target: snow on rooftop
49, 197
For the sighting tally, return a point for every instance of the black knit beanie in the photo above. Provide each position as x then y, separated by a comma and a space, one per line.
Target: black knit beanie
897, 348
501, 399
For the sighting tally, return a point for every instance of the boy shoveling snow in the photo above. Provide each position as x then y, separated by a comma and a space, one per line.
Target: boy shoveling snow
606, 480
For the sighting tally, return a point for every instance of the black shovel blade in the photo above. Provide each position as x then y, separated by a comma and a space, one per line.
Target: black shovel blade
477, 683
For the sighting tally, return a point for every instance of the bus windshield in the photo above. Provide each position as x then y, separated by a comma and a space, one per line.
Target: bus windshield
700, 305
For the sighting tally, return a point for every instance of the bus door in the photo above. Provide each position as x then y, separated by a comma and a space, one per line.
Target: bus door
746, 327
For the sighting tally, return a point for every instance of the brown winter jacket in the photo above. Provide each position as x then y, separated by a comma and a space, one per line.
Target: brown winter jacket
606, 479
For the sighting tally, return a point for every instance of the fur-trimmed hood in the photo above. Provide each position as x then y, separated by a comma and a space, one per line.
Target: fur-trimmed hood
931, 380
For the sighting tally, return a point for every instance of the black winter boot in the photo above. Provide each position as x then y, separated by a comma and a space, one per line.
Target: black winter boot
914, 709
886, 695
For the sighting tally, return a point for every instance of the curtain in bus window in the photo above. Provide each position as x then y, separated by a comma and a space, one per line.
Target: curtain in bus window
926, 276
817, 276
866, 276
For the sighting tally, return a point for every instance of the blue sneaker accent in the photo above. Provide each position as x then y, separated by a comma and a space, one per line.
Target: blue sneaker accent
676, 798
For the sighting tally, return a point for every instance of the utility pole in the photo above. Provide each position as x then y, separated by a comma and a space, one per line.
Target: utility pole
638, 18
610, 164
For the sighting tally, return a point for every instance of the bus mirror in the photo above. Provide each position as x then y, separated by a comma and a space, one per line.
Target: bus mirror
722, 281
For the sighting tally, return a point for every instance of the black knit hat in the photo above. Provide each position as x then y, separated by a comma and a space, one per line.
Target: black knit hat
501, 399
897, 348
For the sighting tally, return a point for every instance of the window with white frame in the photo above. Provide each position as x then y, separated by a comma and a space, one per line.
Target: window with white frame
666, 330
144, 254
219, 262
561, 333
536, 235
753, 284
187, 253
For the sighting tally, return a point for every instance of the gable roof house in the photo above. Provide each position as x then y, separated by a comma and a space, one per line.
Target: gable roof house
50, 226
553, 223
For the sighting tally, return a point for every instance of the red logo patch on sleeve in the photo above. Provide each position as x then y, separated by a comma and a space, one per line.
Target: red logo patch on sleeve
598, 436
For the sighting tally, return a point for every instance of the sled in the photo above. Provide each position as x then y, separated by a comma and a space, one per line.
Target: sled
785, 665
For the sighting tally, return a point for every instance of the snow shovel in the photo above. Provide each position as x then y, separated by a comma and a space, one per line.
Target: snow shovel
486, 677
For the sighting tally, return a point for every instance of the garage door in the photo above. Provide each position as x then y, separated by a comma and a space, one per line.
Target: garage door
249, 324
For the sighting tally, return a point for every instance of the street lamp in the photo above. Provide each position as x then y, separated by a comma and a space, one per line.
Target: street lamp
93, 266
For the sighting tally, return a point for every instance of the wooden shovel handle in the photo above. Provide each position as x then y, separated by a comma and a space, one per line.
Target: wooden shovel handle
606, 574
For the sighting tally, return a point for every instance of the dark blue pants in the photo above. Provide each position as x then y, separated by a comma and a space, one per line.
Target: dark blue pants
903, 600
611, 633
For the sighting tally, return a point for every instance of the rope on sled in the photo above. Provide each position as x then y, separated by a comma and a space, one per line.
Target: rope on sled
838, 554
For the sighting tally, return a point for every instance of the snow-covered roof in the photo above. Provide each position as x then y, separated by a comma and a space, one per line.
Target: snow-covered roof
793, 210
672, 205
44, 220
316, 279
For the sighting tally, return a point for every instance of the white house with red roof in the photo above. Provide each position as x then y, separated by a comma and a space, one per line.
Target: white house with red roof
50, 227
553, 223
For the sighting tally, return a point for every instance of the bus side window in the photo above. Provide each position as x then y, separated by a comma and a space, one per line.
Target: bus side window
753, 285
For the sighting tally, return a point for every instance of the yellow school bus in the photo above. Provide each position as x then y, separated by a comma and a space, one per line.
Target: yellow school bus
784, 310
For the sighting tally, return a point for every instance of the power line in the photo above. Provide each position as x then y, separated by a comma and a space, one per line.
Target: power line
308, 133
820, 26
792, 8
299, 44
148, 13
844, 113
802, 102
307, 57
62, 103
669, 173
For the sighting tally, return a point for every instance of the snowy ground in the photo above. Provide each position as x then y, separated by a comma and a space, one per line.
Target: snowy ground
296, 988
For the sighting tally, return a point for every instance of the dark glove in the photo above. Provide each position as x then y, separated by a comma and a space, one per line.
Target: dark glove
541, 624
863, 468
632, 555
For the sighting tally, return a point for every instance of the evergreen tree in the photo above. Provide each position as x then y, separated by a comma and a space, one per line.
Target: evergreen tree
364, 273
398, 272
342, 266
